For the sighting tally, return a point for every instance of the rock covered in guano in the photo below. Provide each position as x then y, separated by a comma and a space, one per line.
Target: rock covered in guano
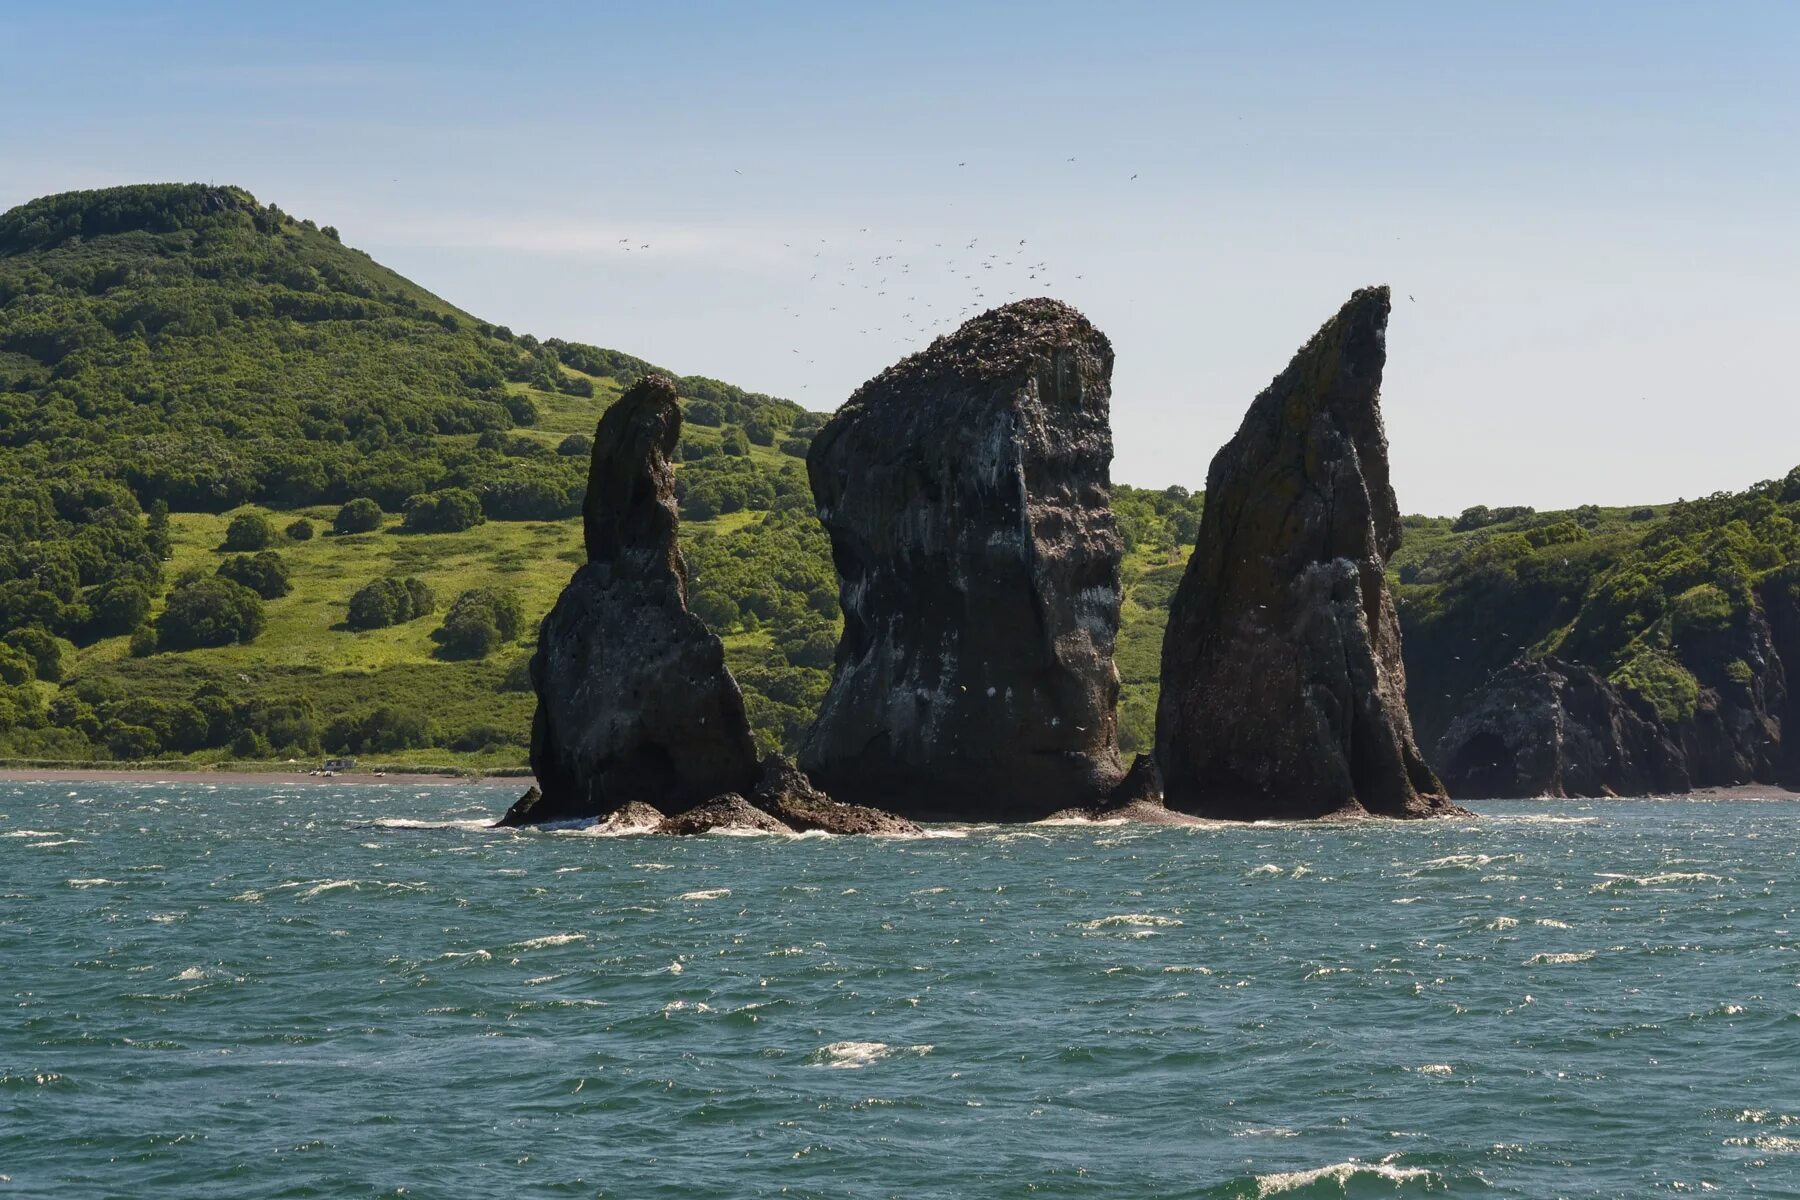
1545, 727
1283, 693
634, 699
966, 494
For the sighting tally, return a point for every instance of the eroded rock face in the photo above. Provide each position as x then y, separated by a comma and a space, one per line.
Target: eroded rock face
786, 793
1283, 692
634, 700
966, 493
1546, 727
730, 812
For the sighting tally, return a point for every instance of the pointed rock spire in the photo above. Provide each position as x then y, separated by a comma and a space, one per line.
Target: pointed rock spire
1283, 691
635, 703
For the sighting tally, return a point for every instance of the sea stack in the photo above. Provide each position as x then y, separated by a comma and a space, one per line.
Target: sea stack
634, 700
1545, 727
966, 493
1283, 692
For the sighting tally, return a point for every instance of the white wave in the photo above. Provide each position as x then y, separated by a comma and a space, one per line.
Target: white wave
1405, 900
930, 891
1776, 1142
653, 866
1435, 1069
482, 823
32, 833
1266, 869
705, 894
1341, 1174
1544, 960
322, 886
1502, 923
88, 883
59, 842
1551, 923
167, 918
1139, 919
1541, 819
1470, 862
1055, 821
675, 1006
1657, 880
850, 1056
554, 939
191, 973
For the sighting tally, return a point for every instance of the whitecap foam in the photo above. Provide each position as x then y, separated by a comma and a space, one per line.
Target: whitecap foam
850, 1056
1343, 1175
1660, 879
90, 883
1772, 1141
705, 894
552, 939
1546, 960
1435, 1069
1147, 920
472, 823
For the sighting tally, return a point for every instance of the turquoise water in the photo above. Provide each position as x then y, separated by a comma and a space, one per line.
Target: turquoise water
218, 991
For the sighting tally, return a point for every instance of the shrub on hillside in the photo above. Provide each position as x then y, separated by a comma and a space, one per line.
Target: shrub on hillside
209, 611
379, 730
249, 531
384, 602
449, 511
299, 531
118, 606
15, 668
41, 647
479, 622
265, 573
576, 445
361, 515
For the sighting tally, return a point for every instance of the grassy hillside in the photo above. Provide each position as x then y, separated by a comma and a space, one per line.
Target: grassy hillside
177, 361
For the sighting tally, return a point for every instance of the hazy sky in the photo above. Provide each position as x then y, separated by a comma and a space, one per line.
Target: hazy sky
1590, 213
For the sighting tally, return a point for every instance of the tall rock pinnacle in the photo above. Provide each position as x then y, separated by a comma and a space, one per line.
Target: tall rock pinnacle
634, 700
966, 493
1283, 692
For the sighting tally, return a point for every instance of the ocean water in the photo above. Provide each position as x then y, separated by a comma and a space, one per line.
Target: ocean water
318, 991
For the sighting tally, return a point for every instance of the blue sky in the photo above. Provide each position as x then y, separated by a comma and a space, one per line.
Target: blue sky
1593, 208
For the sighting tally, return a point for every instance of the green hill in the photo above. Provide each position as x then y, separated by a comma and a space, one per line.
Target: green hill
174, 358
177, 361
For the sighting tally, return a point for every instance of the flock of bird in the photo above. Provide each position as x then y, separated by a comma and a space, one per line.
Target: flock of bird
905, 293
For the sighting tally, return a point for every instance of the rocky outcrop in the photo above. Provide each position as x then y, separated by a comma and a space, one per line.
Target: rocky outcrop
729, 813
784, 792
1545, 727
524, 811
634, 700
1283, 692
966, 494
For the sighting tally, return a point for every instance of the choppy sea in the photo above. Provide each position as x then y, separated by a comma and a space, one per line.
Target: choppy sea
317, 991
